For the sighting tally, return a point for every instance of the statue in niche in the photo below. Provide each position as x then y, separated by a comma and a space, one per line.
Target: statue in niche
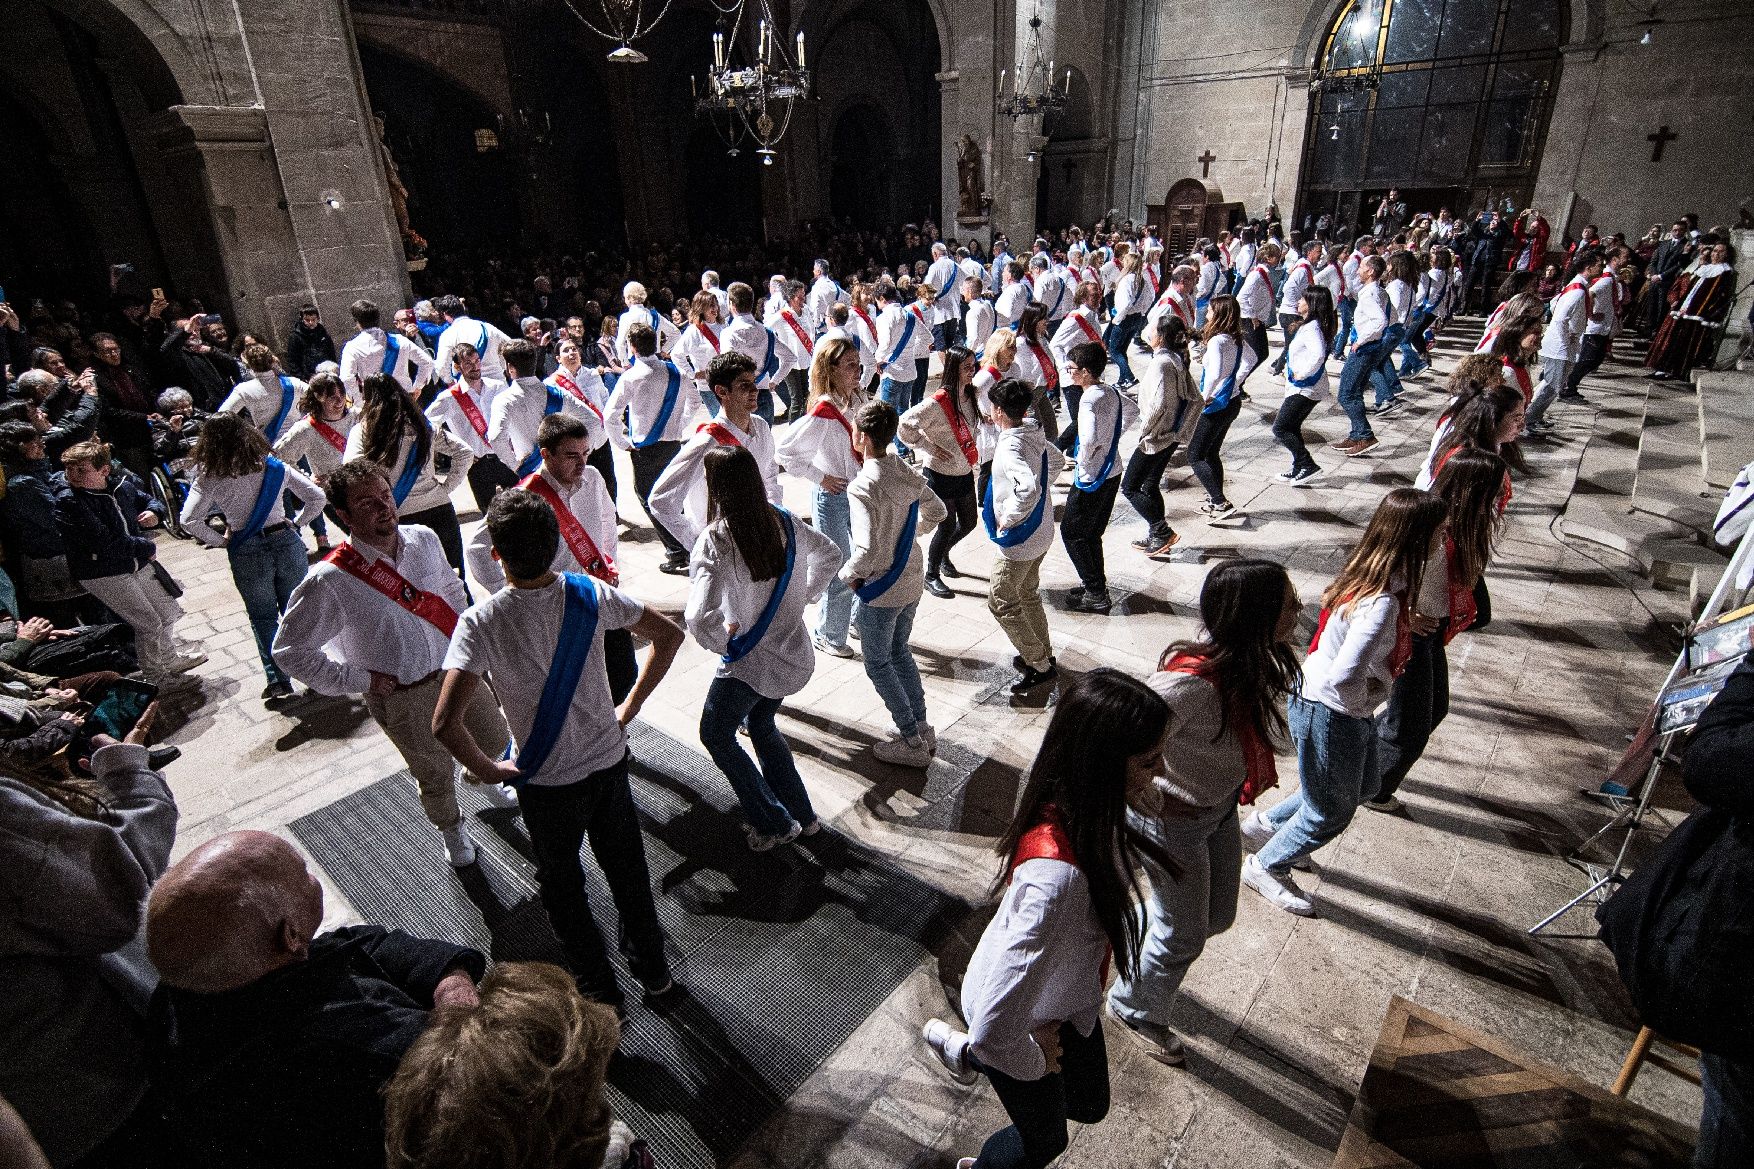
970, 184
413, 244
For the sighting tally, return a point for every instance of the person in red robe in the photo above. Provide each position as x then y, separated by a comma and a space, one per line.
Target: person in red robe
1699, 305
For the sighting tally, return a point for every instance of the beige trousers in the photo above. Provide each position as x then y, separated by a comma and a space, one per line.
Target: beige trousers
406, 716
1014, 599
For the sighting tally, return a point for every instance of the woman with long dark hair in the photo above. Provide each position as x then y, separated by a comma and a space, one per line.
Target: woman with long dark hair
1068, 904
1226, 692
236, 501
1306, 379
1363, 641
1035, 365
1474, 485
1226, 365
396, 435
942, 431
1484, 414
754, 570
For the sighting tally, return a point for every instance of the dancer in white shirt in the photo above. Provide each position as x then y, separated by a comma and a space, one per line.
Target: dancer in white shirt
581, 382
375, 618
462, 329
1306, 377
316, 439
519, 409
796, 329
942, 430
755, 569
464, 410
372, 350
757, 342
268, 398
946, 281
1081, 325
1254, 299
699, 344
679, 499
1013, 295
1017, 507
978, 319
1104, 413
1169, 410
633, 294
1299, 277
897, 348
1227, 365
824, 293
394, 434
1131, 301
648, 416
1037, 365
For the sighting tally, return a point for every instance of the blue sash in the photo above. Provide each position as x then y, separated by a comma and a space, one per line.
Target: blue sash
1108, 463
551, 404
1011, 537
741, 645
1305, 383
657, 322
770, 363
907, 334
392, 354
273, 482
273, 431
904, 550
672, 392
578, 628
481, 345
1226, 388
1059, 298
410, 474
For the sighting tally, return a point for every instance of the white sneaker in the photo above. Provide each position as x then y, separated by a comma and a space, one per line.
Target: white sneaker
459, 849
904, 752
951, 1048
1280, 891
500, 795
1256, 831
823, 645
760, 843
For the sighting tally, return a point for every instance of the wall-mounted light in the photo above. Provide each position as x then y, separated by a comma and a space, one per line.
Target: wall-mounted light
331, 200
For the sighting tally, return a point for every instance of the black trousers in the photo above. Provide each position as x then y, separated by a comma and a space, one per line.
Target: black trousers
1591, 352
1418, 702
1039, 1109
1254, 335
1072, 392
443, 521
1204, 447
598, 808
956, 492
1287, 326
620, 662
794, 391
603, 459
1141, 485
1288, 429
1081, 527
487, 478
648, 465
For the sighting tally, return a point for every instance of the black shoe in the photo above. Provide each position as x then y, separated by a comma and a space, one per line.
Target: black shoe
666, 998
162, 756
676, 564
950, 570
277, 690
1031, 678
939, 589
1074, 598
1572, 396
1093, 603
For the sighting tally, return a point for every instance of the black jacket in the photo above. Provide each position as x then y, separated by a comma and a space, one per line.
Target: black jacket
128, 405
308, 348
288, 1071
72, 420
1720, 757
99, 528
27, 513
1669, 258
207, 376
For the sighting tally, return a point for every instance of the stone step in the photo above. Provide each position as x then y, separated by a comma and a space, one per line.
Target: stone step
1726, 425
1669, 474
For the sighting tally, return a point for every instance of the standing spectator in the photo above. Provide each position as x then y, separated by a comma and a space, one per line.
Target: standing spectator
186, 359
127, 404
64, 414
36, 556
310, 344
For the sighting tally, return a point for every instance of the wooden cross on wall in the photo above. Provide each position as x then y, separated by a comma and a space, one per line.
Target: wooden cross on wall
1207, 159
1659, 140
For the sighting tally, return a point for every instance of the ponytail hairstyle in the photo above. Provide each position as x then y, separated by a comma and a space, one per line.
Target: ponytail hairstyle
1391, 555
736, 495
387, 411
1475, 415
1321, 312
1102, 722
1471, 485
1224, 316
1240, 606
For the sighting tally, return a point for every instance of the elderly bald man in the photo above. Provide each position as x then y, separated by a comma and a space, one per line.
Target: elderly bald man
278, 1039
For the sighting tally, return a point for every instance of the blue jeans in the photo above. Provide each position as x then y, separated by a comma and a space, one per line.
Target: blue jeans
834, 519
1120, 337
1353, 376
1384, 377
1336, 764
773, 795
1200, 311
901, 396
1182, 912
710, 400
266, 569
889, 663
1344, 308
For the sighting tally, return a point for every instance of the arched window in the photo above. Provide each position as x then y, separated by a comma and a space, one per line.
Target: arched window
1445, 99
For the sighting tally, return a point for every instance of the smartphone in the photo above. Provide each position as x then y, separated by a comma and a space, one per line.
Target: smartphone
2, 294
158, 294
120, 708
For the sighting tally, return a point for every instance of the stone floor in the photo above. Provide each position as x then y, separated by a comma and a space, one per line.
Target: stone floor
1281, 1013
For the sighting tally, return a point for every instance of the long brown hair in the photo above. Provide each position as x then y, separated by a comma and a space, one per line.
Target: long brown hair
1474, 416
1470, 485
387, 412
736, 494
1240, 606
1390, 556
229, 447
1223, 316
957, 358
822, 370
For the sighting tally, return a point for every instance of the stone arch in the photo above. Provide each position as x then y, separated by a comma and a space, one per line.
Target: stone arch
1587, 25
434, 46
164, 69
814, 18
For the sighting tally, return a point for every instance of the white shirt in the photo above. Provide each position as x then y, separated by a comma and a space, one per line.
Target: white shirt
1348, 670
1255, 297
1564, 335
510, 638
235, 499
1013, 299
1099, 407
478, 335
799, 341
695, 349
1601, 313
1017, 484
751, 338
878, 500
1306, 357
1131, 296
363, 357
428, 490
824, 295
1371, 317
588, 383
518, 411
639, 397
447, 410
867, 353
1052, 294
895, 344
259, 398
1400, 295
1296, 280
945, 279
337, 630
977, 323
721, 594
678, 499
814, 446
1173, 302
640, 314
1208, 283
589, 502
1078, 327
1331, 278
301, 440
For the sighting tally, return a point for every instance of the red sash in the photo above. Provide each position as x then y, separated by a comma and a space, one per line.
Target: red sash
706, 331
1462, 609
1174, 304
959, 427
788, 318
1151, 279
1575, 286
827, 409
1524, 382
381, 575
1403, 651
1089, 329
721, 433
578, 541
869, 323
1042, 359
571, 387
330, 435
1260, 768
471, 411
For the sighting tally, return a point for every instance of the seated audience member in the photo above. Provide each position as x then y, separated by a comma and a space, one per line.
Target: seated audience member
515, 1082
278, 1041
79, 855
182, 425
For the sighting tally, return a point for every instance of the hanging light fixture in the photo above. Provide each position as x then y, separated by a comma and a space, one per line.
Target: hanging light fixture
754, 100
1649, 25
1032, 81
620, 22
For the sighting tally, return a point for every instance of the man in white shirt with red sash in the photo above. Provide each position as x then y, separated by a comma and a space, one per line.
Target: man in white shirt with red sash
375, 617
1177, 299
540, 643
678, 500
462, 329
793, 324
840, 324
463, 410
648, 416
1255, 298
1079, 327
580, 381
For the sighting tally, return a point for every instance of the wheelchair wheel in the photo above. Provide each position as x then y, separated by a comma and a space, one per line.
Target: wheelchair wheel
170, 492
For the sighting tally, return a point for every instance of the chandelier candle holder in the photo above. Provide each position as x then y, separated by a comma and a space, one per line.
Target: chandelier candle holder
758, 96
1032, 82
621, 22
